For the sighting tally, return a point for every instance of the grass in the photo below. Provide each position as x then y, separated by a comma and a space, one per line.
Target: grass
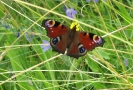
25, 66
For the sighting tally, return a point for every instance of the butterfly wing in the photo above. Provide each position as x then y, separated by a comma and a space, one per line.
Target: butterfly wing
54, 28
90, 40
84, 41
57, 34
59, 43
76, 49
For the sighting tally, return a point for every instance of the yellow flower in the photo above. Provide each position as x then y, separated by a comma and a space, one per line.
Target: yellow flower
75, 24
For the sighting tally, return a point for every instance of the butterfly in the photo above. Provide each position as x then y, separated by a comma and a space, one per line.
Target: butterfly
77, 43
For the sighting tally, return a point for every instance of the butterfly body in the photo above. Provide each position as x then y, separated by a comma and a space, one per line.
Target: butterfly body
77, 43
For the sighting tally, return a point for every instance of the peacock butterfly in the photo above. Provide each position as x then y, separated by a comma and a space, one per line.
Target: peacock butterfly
76, 42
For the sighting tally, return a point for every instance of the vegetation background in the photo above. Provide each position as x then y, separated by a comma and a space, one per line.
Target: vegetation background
28, 63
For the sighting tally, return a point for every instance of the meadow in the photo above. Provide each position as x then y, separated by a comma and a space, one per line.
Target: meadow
27, 61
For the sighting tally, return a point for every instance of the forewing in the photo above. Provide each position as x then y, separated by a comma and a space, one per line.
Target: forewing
54, 28
90, 40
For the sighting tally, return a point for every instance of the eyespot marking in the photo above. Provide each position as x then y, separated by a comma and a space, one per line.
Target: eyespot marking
97, 39
81, 49
49, 23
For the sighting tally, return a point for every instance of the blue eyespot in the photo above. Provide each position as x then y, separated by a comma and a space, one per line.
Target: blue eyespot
55, 40
82, 49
